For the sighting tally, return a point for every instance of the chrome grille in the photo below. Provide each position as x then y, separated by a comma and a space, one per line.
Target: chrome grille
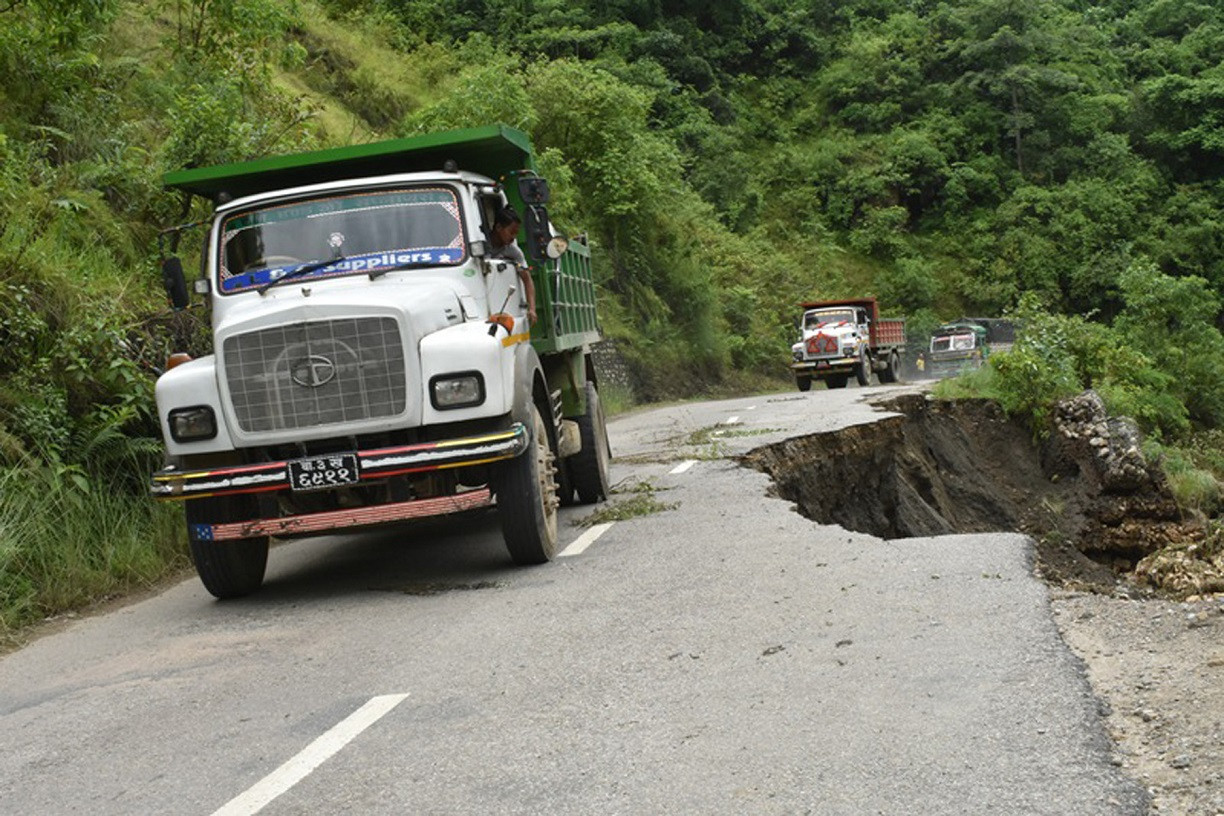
326, 372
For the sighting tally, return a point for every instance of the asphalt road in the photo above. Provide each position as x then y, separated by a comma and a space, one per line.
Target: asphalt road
722, 656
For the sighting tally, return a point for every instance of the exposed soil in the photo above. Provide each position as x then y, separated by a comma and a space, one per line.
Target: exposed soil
963, 466
1137, 591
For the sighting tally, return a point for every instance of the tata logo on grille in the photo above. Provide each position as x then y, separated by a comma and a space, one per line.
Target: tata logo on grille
313, 371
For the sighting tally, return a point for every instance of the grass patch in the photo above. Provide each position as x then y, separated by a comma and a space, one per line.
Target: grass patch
358, 66
640, 501
981, 383
616, 398
1196, 489
65, 544
713, 439
1195, 486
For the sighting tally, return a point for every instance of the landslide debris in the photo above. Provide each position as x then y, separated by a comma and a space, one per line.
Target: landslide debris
1085, 494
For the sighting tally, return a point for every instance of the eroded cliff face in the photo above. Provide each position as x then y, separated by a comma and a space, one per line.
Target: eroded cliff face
1084, 494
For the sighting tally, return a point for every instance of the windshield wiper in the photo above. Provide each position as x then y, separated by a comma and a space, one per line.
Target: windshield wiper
378, 273
304, 269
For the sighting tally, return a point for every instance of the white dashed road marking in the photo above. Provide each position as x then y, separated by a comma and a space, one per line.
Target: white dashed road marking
585, 540
311, 757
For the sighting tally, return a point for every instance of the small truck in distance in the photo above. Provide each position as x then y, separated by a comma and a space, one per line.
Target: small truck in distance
372, 360
840, 339
965, 344
957, 347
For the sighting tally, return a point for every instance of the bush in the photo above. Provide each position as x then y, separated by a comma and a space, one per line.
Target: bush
909, 285
67, 540
1057, 356
1041, 367
1173, 321
1195, 488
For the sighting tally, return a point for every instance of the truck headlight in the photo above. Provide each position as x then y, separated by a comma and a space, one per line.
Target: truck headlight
461, 390
192, 424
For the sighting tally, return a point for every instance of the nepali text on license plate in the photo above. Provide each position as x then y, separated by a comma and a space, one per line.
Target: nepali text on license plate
320, 472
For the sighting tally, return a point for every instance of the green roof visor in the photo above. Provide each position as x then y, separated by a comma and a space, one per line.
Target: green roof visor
492, 151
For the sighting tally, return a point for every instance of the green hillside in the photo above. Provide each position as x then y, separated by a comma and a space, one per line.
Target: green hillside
1056, 159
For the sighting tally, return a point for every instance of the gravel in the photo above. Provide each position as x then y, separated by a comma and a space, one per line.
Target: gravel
1157, 667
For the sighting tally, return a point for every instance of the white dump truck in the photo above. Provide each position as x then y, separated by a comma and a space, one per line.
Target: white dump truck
372, 356
840, 339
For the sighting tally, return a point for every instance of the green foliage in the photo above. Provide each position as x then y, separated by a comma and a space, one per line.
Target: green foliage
1030, 379
1056, 356
67, 539
1174, 321
628, 502
217, 32
1198, 485
490, 87
601, 124
910, 285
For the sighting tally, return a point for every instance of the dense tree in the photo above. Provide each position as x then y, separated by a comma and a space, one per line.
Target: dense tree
947, 156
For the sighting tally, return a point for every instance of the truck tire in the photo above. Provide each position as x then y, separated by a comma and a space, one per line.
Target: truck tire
228, 569
588, 469
565, 486
527, 498
892, 372
804, 383
862, 371
837, 380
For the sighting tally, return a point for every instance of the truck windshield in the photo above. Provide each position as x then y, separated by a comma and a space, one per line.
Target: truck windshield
364, 231
815, 320
953, 342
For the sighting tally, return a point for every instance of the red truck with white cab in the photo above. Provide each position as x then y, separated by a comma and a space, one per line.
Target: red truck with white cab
840, 339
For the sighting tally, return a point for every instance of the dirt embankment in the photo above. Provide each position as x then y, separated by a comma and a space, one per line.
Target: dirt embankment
1085, 495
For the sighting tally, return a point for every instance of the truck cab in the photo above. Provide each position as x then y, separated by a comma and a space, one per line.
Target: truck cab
372, 362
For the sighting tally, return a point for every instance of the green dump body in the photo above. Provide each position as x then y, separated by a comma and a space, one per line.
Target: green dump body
565, 296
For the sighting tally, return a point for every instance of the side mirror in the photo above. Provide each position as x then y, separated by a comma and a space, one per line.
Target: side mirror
175, 283
556, 247
533, 190
538, 234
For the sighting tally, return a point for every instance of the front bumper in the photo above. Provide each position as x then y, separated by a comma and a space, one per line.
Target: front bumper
349, 519
171, 483
818, 366
955, 361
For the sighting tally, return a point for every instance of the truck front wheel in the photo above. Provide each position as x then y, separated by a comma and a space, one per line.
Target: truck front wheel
862, 371
527, 499
588, 469
231, 568
804, 383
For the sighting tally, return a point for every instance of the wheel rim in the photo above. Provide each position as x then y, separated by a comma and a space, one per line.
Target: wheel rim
545, 469
604, 455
